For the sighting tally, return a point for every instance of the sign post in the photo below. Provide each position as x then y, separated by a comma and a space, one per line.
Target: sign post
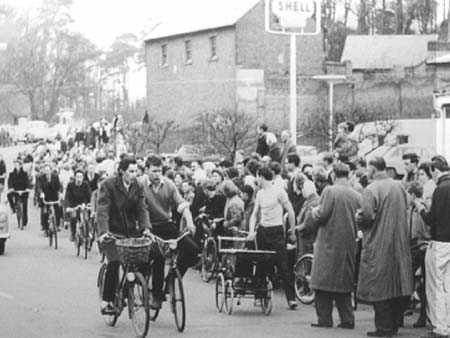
293, 17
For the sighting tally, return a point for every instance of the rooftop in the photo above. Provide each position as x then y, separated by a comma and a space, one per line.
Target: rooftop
386, 51
210, 15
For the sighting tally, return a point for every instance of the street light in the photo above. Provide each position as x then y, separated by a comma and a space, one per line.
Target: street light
331, 79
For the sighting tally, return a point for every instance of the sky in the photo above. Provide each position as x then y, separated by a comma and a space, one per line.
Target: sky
103, 20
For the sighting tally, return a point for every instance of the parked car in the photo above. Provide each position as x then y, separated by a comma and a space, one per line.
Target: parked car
4, 231
190, 153
393, 156
37, 130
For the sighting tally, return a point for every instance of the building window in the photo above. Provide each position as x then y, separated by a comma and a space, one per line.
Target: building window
188, 52
164, 56
213, 47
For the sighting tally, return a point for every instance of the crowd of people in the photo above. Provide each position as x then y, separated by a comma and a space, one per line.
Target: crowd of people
323, 209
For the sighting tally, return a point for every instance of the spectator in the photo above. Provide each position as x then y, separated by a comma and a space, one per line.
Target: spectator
419, 238
426, 180
269, 205
274, 147
332, 275
307, 236
437, 259
277, 179
261, 147
234, 209
321, 180
385, 275
294, 194
288, 146
247, 195
411, 162
199, 175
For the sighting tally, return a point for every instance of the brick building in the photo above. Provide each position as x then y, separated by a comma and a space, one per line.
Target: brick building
227, 61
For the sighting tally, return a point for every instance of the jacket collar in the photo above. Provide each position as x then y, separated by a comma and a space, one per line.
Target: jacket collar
380, 176
120, 186
445, 177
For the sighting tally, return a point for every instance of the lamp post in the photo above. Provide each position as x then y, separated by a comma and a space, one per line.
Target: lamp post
331, 80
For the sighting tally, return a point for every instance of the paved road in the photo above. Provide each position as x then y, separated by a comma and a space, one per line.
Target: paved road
47, 293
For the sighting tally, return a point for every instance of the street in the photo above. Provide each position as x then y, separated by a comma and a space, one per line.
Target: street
49, 293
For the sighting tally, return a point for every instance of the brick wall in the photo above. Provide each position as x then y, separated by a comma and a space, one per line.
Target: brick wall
180, 91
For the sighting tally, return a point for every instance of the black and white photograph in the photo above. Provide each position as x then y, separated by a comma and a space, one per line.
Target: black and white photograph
224, 168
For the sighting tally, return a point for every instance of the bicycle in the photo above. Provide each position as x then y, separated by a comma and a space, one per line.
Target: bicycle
209, 255
82, 235
52, 224
173, 281
131, 289
19, 207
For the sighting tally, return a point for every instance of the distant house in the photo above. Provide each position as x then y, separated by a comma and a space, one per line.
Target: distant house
381, 53
225, 60
389, 75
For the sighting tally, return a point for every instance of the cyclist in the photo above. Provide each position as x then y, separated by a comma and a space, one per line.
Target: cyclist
161, 196
18, 180
49, 188
121, 210
77, 192
92, 177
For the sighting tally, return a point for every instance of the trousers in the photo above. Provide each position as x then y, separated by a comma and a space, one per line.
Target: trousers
437, 288
272, 238
324, 307
389, 313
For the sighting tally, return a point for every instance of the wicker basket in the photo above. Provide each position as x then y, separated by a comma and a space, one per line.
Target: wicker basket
133, 250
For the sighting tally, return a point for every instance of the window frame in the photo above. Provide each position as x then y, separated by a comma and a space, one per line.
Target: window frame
188, 52
164, 56
213, 48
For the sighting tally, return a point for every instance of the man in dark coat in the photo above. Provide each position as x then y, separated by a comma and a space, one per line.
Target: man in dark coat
49, 188
77, 192
332, 275
261, 147
437, 258
91, 177
121, 210
18, 181
385, 275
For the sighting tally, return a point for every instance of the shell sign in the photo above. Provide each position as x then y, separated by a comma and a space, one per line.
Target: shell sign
293, 16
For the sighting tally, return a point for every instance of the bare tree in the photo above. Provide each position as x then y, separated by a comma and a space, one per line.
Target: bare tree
228, 131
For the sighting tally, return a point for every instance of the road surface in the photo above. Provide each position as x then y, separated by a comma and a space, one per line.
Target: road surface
47, 293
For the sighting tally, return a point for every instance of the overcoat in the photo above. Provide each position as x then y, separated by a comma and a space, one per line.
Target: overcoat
386, 268
120, 211
335, 250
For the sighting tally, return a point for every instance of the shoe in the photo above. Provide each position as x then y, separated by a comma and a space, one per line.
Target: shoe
66, 225
380, 334
72, 238
321, 325
292, 305
156, 302
421, 322
107, 310
348, 325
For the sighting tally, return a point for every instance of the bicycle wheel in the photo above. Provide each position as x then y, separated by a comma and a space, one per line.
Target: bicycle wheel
220, 292
229, 297
55, 232
19, 215
209, 258
110, 320
138, 305
78, 241
302, 275
177, 299
266, 301
85, 236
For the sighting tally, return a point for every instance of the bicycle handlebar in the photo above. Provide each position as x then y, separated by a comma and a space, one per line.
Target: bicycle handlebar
51, 202
21, 192
81, 207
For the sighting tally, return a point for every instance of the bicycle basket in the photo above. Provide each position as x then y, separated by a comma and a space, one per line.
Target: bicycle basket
133, 250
